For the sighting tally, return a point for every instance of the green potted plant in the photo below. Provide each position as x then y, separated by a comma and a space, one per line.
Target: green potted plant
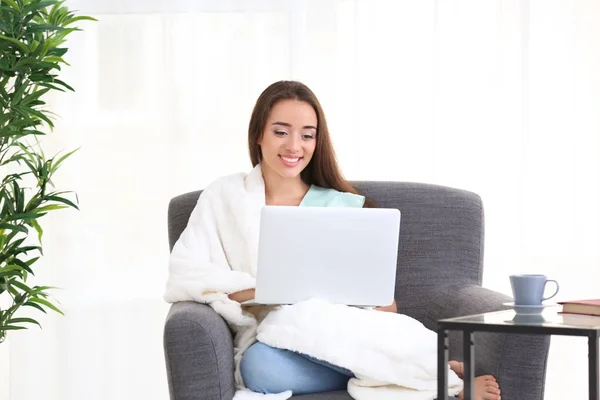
32, 37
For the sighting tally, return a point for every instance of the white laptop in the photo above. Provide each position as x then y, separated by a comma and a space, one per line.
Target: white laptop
342, 255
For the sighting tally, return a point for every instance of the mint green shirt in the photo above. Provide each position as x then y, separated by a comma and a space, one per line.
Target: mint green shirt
321, 197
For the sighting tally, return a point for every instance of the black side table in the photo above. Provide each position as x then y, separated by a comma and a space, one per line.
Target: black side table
510, 322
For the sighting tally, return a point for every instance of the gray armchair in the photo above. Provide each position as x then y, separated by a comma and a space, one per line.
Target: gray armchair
440, 267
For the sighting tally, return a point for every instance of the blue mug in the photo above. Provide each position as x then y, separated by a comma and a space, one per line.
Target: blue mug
528, 290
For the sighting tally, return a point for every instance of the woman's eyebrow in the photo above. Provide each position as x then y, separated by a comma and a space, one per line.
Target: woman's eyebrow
289, 125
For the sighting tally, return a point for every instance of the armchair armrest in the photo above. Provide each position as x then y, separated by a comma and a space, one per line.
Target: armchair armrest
517, 361
198, 353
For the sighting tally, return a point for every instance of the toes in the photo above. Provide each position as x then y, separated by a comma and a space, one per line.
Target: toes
492, 393
491, 397
457, 367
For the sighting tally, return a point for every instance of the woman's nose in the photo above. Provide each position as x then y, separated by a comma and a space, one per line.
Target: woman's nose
293, 143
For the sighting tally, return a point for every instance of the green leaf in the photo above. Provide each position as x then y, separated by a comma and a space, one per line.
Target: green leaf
22, 122
35, 132
12, 235
63, 200
62, 14
25, 249
13, 4
47, 304
15, 250
37, 114
24, 61
37, 103
25, 216
51, 207
3, 27
38, 229
18, 94
32, 167
38, 5
8, 204
34, 305
13, 227
55, 8
11, 328
20, 285
28, 18
41, 65
58, 51
34, 96
34, 28
34, 202
40, 77
31, 261
23, 321
59, 37
78, 18
13, 291
38, 47
19, 196
64, 84
19, 44
23, 265
4, 117
51, 86
56, 59
43, 172
26, 151
15, 14
6, 133
4, 64
41, 289
10, 271
11, 250
63, 158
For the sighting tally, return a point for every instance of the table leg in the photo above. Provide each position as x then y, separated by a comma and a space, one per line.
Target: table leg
469, 360
442, 364
593, 366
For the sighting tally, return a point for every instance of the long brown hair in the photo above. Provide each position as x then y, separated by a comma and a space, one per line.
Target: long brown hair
323, 169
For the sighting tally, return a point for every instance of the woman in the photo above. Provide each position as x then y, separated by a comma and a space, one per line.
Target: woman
294, 165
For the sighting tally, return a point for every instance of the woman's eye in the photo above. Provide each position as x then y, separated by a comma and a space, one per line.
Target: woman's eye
308, 136
280, 133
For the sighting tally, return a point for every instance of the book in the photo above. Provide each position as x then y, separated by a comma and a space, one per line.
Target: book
587, 307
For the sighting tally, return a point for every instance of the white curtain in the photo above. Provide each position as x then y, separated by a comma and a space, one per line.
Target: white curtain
500, 97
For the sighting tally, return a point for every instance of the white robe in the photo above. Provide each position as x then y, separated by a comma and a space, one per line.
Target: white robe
393, 356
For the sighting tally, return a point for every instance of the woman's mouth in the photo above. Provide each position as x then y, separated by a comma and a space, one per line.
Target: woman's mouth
290, 161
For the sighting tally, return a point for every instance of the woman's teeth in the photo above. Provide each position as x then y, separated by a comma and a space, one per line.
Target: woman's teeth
290, 160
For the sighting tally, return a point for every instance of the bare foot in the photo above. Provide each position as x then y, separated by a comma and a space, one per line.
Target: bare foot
458, 368
486, 387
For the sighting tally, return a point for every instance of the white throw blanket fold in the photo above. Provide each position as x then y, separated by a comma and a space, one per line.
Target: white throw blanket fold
393, 356
384, 350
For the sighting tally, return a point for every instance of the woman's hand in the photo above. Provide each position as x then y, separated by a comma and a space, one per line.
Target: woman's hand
242, 296
391, 308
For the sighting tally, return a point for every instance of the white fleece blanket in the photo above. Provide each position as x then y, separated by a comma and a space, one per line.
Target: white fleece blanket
393, 356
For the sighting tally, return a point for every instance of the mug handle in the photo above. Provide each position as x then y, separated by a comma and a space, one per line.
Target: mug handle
555, 293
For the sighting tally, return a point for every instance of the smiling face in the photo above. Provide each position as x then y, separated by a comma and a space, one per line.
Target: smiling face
289, 138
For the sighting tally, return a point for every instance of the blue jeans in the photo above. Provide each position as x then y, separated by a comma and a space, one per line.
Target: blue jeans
266, 369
